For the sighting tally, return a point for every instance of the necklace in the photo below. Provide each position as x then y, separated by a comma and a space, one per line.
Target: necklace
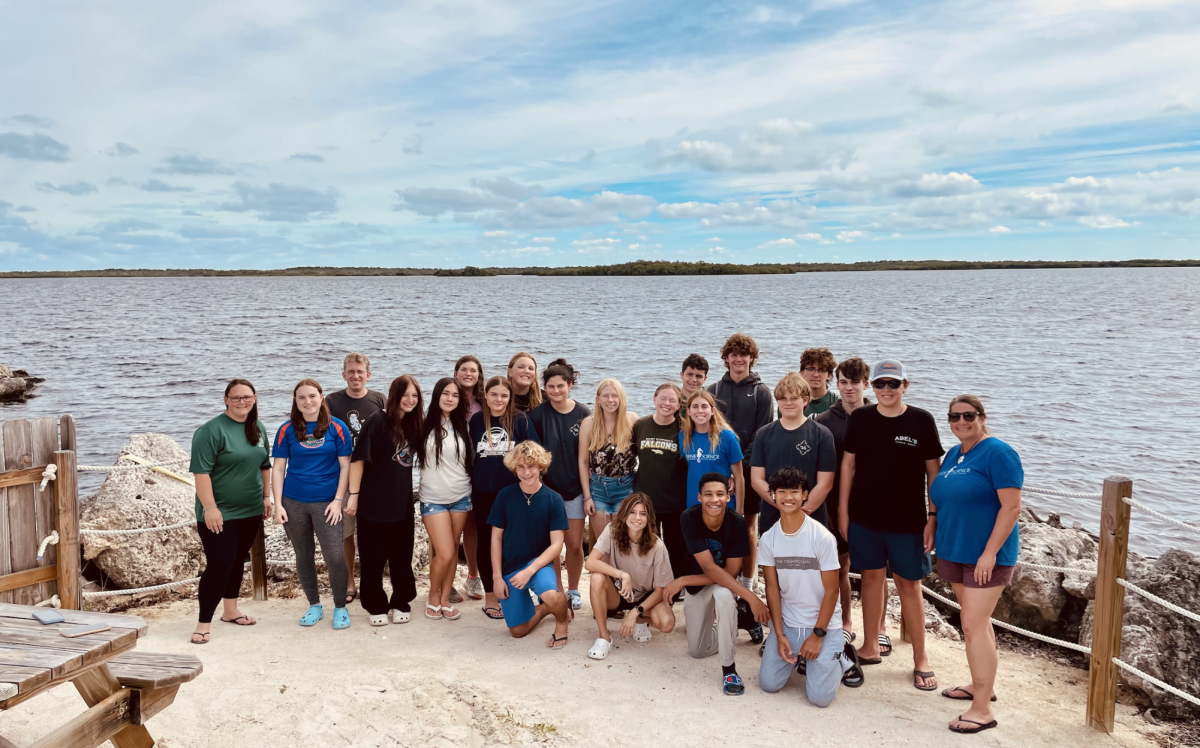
528, 497
962, 451
791, 534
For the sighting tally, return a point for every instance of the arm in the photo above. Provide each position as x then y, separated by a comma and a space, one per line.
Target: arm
583, 457
498, 585
278, 471
212, 515
775, 605
930, 534
1010, 509
598, 563
726, 577
333, 512
844, 499
266, 481
816, 497
522, 577
758, 481
811, 648
356, 474
739, 486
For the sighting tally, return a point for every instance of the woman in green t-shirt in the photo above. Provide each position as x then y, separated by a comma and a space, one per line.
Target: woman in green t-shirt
231, 464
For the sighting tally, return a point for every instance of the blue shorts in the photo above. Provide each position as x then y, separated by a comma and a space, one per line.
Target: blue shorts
462, 506
608, 493
904, 552
518, 606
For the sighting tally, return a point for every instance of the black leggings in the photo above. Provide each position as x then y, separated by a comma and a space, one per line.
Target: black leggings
481, 505
388, 543
225, 555
672, 538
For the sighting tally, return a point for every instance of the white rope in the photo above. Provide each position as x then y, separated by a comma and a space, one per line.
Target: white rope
1058, 569
84, 531
1153, 513
48, 475
51, 602
1156, 599
1155, 681
139, 590
1063, 494
51, 539
120, 468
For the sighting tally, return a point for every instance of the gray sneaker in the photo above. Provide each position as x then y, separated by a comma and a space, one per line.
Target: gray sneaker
454, 596
475, 588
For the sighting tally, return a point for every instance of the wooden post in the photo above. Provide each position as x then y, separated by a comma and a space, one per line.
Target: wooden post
258, 565
66, 499
1110, 603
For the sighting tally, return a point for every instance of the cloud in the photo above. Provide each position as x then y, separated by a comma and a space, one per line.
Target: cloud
505, 187
777, 244
280, 202
1000, 230
743, 213
771, 146
32, 119
497, 234
562, 212
1084, 184
606, 243
307, 157
810, 237
120, 149
26, 209
1105, 222
157, 185
414, 146
713, 239
849, 236
938, 185
435, 201
190, 164
645, 246
774, 16
77, 189
36, 147
543, 240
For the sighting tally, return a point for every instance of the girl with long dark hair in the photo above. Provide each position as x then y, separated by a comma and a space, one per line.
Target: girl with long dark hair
522, 373
309, 480
446, 458
231, 464
381, 496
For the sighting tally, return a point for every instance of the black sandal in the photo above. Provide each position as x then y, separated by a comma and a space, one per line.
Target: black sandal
554, 642
968, 697
885, 645
203, 639
499, 614
234, 621
973, 730
854, 677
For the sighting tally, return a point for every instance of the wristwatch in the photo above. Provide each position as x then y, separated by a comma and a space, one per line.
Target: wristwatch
641, 612
819, 632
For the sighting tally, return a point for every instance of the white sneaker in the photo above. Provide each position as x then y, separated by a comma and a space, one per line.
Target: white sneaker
641, 632
600, 649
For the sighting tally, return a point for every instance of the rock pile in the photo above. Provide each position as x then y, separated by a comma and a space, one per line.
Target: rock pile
16, 386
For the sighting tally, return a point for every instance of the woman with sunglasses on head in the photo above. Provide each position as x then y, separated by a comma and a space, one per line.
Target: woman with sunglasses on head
522, 374
309, 481
607, 456
468, 373
973, 508
495, 432
381, 496
232, 467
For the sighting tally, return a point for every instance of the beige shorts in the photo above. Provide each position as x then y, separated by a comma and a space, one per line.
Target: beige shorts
349, 525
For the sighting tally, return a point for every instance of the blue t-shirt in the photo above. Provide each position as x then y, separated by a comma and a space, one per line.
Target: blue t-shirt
313, 468
967, 502
526, 524
701, 459
489, 473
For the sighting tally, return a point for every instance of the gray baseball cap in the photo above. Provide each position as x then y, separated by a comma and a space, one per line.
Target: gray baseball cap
888, 369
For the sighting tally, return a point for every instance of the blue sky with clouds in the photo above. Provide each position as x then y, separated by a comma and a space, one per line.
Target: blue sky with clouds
567, 132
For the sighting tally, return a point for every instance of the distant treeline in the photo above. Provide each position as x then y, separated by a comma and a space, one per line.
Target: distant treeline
640, 267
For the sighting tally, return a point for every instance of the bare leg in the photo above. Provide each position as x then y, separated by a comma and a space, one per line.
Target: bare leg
662, 617
844, 582
977, 608
470, 547
912, 610
458, 521
574, 543
885, 591
749, 563
872, 580
348, 550
604, 597
441, 566
553, 603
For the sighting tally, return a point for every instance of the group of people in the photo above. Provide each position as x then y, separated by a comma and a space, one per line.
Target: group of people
806, 480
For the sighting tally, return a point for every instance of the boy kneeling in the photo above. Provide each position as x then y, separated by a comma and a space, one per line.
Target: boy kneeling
529, 523
800, 563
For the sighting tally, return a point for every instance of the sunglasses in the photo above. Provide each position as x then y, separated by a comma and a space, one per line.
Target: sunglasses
892, 384
969, 417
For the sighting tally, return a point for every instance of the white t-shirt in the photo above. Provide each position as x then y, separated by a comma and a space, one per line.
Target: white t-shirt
798, 562
445, 482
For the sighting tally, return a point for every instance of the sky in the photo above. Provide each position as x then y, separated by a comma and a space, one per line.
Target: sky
280, 133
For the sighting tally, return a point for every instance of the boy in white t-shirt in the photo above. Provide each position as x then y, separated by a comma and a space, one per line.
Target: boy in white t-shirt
800, 563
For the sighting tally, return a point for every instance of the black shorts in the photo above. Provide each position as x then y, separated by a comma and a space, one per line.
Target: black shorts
752, 501
627, 605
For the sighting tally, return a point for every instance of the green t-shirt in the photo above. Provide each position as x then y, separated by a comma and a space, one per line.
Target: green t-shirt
822, 404
220, 450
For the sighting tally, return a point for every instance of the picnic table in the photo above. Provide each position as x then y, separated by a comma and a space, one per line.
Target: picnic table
122, 688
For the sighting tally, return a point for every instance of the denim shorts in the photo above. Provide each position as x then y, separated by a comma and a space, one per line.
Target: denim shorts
463, 506
608, 493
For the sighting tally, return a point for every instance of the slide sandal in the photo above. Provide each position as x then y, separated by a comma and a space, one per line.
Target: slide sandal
314, 614
854, 676
732, 685
885, 645
600, 649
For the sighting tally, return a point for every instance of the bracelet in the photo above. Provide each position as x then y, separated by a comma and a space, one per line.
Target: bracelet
338, 500
214, 506
353, 493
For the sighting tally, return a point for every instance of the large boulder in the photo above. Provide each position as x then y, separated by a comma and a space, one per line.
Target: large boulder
1037, 600
16, 386
134, 499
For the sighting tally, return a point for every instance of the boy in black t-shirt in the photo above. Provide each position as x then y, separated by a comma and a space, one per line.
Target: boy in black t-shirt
892, 455
717, 538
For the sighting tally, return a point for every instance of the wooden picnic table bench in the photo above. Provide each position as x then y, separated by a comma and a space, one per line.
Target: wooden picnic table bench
122, 688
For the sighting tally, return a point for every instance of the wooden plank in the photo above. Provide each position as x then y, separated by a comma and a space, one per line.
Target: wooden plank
89, 654
29, 577
21, 477
5, 558
66, 433
103, 721
70, 677
127, 638
66, 513
149, 676
160, 659
28, 678
100, 684
1110, 603
60, 661
151, 701
22, 528
45, 443
116, 620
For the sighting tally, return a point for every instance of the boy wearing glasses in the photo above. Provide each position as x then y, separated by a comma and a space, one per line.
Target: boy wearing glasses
892, 454
817, 366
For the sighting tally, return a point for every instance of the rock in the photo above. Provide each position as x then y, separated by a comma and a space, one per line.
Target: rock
1158, 641
132, 499
16, 386
5, 372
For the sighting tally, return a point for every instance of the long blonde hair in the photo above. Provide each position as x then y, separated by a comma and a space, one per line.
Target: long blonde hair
535, 393
622, 435
715, 426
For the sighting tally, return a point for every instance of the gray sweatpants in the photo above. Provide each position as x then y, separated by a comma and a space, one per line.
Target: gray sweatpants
824, 674
706, 638
305, 519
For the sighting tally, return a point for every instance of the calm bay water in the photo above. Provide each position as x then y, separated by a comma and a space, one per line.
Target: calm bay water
1087, 373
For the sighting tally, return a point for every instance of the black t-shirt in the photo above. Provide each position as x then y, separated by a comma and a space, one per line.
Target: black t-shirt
521, 403
889, 467
809, 448
662, 470
385, 493
559, 433
489, 473
730, 540
354, 413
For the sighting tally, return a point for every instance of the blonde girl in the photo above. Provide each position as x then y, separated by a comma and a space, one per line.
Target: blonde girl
607, 457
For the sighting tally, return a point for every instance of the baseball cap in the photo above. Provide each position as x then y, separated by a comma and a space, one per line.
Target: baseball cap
888, 369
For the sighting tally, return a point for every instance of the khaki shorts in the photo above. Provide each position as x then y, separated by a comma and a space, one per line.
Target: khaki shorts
349, 525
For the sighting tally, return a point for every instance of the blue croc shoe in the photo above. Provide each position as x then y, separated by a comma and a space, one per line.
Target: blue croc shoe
733, 685
341, 618
314, 614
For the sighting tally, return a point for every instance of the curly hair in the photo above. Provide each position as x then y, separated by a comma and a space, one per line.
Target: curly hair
818, 358
620, 531
528, 453
739, 344
560, 368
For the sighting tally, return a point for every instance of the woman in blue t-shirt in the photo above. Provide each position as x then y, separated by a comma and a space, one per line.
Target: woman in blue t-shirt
974, 503
310, 475
710, 446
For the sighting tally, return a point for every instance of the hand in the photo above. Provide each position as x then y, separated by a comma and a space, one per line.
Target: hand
499, 587
280, 515
762, 613
811, 648
589, 507
628, 623
213, 519
984, 567
521, 578
333, 512
352, 505
930, 534
626, 590
671, 590
844, 526
267, 507
785, 650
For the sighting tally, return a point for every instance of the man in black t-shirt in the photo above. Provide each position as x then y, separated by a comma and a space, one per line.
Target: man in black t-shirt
717, 539
892, 455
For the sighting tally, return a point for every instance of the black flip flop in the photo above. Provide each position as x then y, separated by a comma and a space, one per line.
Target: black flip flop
500, 613
870, 661
924, 675
968, 697
234, 621
555, 640
973, 730
206, 635
854, 677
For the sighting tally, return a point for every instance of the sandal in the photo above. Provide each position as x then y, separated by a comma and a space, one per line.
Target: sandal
972, 730
556, 642
379, 619
575, 599
249, 621
437, 611
600, 649
885, 645
732, 685
450, 613
924, 675
853, 677
341, 618
351, 596
850, 636
495, 614
203, 637
968, 696
314, 614
641, 633
399, 616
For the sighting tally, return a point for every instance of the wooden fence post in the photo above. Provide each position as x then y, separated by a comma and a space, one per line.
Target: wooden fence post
258, 565
66, 500
1110, 603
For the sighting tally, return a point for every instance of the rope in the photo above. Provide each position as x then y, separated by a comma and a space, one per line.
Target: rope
51, 539
1156, 599
1159, 515
84, 531
51, 602
120, 468
1063, 494
139, 590
48, 475
1151, 679
1058, 569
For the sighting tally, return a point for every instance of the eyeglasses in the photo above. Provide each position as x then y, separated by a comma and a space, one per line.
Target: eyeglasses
812, 370
969, 417
240, 398
892, 384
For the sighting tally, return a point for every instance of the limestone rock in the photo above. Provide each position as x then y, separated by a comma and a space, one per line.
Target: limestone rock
1037, 600
131, 499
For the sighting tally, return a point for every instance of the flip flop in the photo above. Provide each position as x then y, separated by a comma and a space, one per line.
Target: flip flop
885, 645
973, 730
451, 613
853, 677
496, 616
240, 618
204, 637
967, 697
924, 675
437, 611
554, 642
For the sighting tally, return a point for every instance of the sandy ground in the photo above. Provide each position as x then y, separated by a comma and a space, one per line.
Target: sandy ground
467, 683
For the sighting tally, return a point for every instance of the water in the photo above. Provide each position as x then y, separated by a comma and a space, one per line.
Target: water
1088, 373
